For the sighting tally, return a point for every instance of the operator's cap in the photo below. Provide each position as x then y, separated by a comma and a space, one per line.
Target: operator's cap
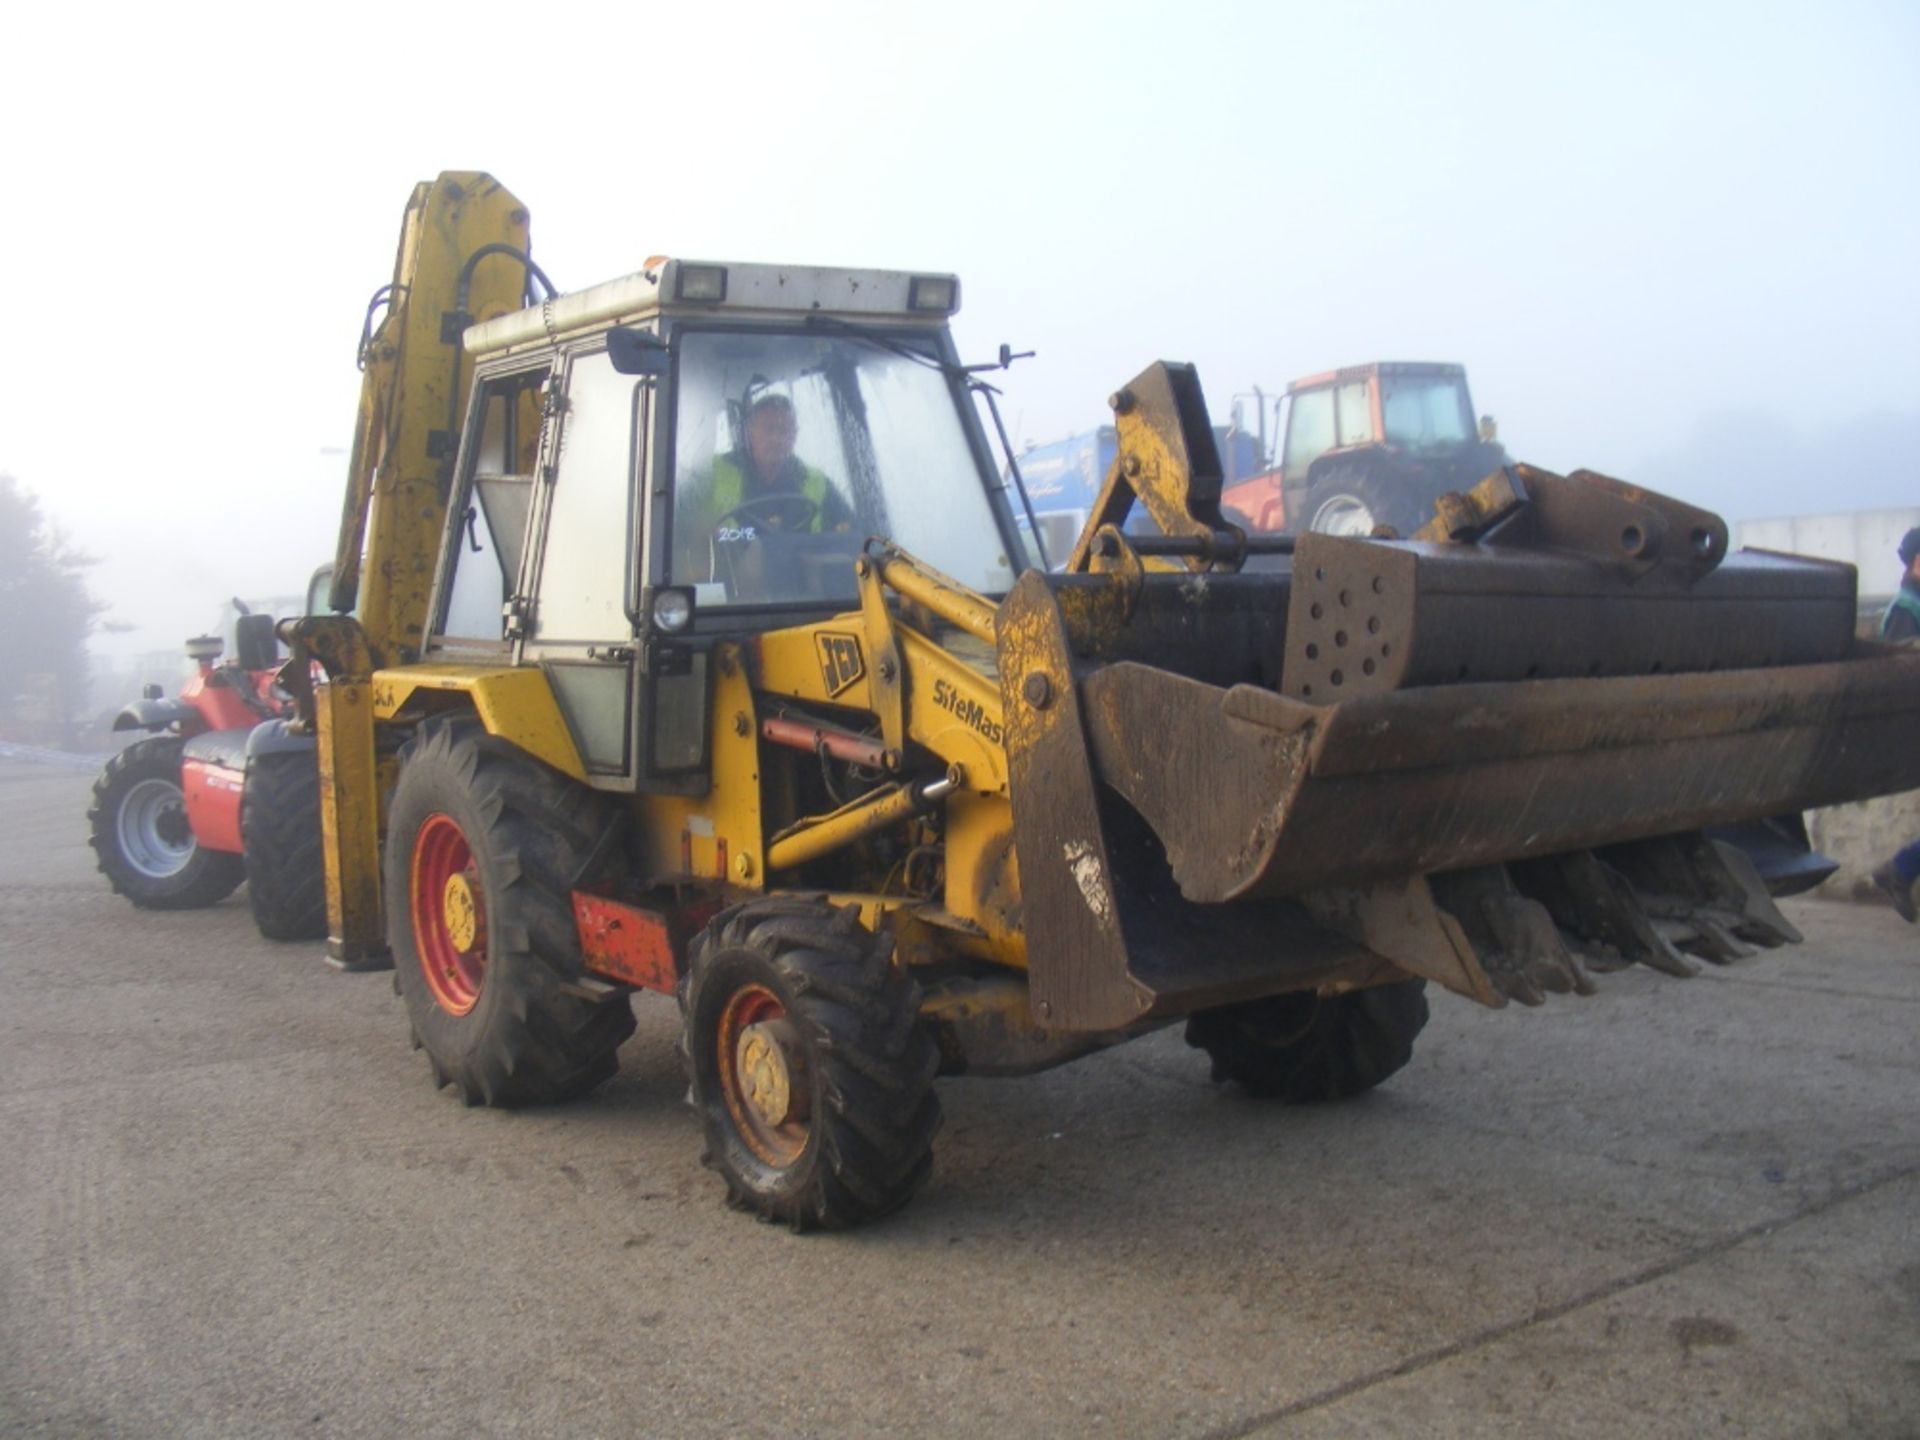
1910, 545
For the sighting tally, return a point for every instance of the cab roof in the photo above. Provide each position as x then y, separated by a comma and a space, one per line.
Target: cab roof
1348, 374
665, 286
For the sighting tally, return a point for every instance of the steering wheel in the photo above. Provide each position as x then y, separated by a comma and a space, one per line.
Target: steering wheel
789, 512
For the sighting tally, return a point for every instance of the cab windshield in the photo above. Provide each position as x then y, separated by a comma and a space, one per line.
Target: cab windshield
1423, 412
790, 450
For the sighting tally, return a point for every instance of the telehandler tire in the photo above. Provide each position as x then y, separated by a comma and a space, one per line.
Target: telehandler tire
808, 1065
483, 846
280, 832
1303, 1047
141, 838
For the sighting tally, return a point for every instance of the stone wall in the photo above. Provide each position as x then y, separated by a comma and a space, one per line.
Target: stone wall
1860, 837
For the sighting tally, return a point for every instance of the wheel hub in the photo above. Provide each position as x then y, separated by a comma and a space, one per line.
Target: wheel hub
769, 1062
172, 827
449, 911
460, 914
154, 834
1345, 515
763, 1074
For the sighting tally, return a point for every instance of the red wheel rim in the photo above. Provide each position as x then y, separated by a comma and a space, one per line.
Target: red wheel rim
763, 1075
449, 910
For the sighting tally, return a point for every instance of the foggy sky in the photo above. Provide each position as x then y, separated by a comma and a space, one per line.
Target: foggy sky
1675, 243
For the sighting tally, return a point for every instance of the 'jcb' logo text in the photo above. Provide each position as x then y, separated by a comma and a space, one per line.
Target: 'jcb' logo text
839, 660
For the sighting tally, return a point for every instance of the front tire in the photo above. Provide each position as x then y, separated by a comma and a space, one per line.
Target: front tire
280, 835
141, 837
484, 844
1303, 1047
808, 1065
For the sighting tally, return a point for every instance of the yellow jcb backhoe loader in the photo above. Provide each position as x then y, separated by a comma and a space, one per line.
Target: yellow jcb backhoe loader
698, 651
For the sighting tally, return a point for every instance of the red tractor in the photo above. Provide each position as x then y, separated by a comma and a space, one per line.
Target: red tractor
220, 793
1370, 446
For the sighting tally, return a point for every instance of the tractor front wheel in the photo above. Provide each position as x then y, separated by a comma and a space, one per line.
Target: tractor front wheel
141, 837
808, 1065
280, 834
483, 845
1304, 1047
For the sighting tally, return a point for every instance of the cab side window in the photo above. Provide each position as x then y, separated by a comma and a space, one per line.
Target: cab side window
1309, 430
488, 536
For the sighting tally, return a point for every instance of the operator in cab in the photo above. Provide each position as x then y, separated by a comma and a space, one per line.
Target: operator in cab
764, 482
756, 521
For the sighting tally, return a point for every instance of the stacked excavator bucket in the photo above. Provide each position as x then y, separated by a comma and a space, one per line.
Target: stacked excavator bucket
1486, 756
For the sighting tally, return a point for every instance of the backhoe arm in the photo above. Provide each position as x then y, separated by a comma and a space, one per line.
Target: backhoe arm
413, 398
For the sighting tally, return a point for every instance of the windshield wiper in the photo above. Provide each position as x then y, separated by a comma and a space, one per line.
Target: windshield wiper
880, 340
968, 375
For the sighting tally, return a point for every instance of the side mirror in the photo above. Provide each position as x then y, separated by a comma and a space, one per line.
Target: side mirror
637, 352
320, 592
255, 645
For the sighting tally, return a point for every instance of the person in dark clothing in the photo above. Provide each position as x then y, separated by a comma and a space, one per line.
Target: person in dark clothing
1902, 622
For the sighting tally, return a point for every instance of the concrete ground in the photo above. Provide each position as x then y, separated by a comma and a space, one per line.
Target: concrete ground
235, 1205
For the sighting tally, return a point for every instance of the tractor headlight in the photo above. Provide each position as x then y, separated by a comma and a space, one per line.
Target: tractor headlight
701, 282
933, 292
671, 612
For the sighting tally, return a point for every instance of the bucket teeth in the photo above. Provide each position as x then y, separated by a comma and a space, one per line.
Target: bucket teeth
1746, 893
1597, 904
1532, 928
1515, 938
1543, 926
1714, 941
1709, 893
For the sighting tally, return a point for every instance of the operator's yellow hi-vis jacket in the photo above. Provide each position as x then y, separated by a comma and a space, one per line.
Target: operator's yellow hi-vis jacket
728, 491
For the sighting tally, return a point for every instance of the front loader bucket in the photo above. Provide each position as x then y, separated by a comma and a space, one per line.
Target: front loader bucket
1255, 794
1502, 838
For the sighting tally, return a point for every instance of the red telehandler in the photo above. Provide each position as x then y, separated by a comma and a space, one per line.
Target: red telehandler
220, 792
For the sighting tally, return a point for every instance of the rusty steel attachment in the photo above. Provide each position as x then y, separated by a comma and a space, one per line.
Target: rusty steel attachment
1584, 513
1366, 617
1166, 460
1486, 756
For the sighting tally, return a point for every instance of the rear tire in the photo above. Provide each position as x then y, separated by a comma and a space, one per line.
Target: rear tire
1302, 1047
280, 832
483, 846
140, 836
808, 1065
1352, 502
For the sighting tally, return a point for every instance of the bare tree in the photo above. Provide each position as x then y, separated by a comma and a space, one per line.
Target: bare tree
46, 613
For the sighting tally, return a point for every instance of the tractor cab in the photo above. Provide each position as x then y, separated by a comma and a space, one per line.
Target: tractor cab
1411, 408
1375, 445
695, 452
1369, 446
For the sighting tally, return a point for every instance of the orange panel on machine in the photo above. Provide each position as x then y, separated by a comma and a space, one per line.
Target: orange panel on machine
212, 796
627, 942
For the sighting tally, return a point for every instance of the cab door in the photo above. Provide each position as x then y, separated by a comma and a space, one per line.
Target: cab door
580, 624
480, 595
